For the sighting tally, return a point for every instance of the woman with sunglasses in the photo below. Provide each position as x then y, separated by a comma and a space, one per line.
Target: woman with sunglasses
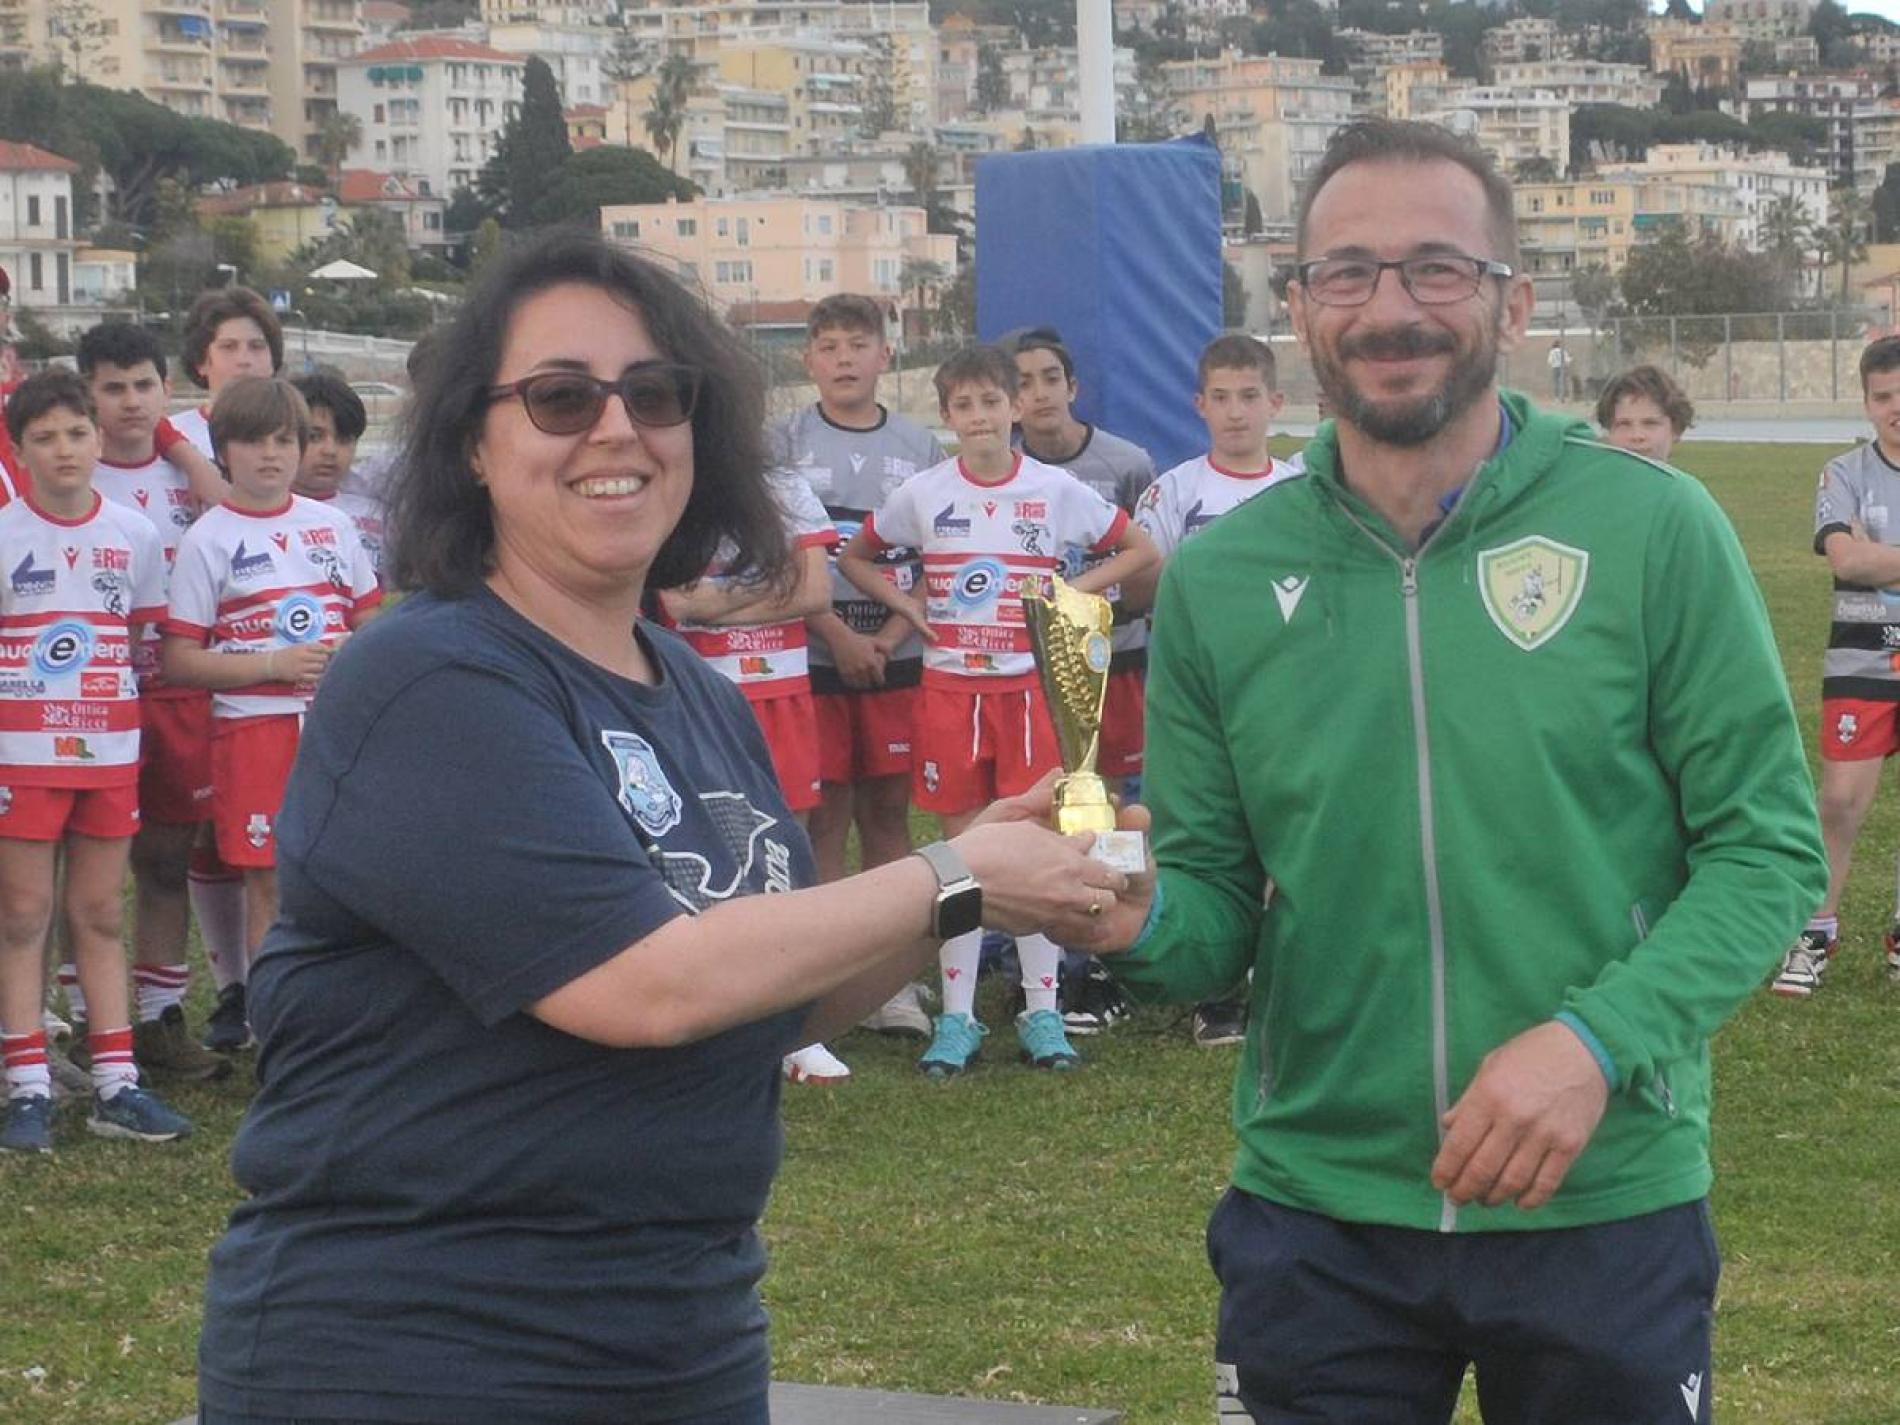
523, 1012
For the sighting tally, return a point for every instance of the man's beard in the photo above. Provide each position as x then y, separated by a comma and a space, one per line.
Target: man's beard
1405, 421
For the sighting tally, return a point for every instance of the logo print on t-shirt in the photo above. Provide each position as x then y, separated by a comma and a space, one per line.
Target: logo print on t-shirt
30, 581
644, 793
739, 825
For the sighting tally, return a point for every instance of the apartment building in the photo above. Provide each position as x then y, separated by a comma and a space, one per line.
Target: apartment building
1707, 56
781, 249
1836, 99
1273, 116
1757, 180
1582, 81
1596, 221
1372, 50
1414, 89
1761, 19
432, 108
37, 246
1525, 38
823, 79
1513, 125
308, 39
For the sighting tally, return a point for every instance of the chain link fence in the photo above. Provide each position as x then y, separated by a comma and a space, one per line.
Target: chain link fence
1781, 357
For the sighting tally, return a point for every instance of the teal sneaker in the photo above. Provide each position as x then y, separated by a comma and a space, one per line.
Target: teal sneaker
955, 1044
29, 1125
136, 1114
1044, 1043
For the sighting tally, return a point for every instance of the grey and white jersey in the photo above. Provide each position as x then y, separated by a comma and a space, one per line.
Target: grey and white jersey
852, 472
1861, 488
1120, 472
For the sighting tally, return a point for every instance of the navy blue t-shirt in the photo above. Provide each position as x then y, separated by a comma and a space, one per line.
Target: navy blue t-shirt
458, 1213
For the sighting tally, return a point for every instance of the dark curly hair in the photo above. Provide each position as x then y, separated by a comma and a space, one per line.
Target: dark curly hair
445, 532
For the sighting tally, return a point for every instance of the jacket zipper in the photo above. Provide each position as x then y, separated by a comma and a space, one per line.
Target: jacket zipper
1428, 840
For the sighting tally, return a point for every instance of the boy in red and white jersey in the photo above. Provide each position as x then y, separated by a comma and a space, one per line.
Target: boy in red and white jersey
755, 635
81, 578
993, 524
230, 332
337, 423
264, 589
124, 368
1238, 398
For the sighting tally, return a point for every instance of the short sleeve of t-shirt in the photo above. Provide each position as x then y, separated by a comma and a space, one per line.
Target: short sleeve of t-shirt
806, 523
193, 609
1156, 514
148, 571
1836, 503
1085, 518
534, 826
899, 520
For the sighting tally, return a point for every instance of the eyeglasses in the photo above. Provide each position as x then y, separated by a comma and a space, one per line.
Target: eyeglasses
656, 395
1433, 281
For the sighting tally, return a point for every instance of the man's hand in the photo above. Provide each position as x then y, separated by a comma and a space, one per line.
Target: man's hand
1522, 1121
1117, 928
859, 660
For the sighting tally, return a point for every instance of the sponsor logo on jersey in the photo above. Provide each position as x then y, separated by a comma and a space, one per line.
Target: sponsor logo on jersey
1029, 535
257, 830
1287, 593
949, 525
1196, 517
31, 582
1031, 510
755, 666
249, 566
144, 497
281, 540
644, 793
322, 535
109, 585
71, 554
1531, 587
977, 582
98, 685
14, 686
979, 663
989, 509
298, 619
63, 647
73, 749
110, 556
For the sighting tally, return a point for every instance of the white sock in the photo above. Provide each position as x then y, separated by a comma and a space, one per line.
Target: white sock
28, 1074
158, 988
959, 958
113, 1070
1041, 958
75, 996
218, 906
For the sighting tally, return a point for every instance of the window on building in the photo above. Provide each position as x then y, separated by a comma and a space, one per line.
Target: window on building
33, 210
745, 232
825, 271
432, 221
688, 227
625, 229
824, 224
36, 272
376, 114
721, 228
382, 149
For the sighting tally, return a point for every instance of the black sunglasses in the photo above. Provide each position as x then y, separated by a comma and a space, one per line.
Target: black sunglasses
656, 394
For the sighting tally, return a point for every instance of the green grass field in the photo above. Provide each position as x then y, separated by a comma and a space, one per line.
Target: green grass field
1022, 1237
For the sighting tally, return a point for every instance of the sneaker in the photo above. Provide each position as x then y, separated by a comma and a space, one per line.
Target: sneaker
227, 1030
1893, 952
815, 1064
1044, 1043
58, 1031
956, 1042
69, 1080
29, 1125
165, 1048
1218, 1022
1804, 965
1092, 1002
135, 1113
902, 1013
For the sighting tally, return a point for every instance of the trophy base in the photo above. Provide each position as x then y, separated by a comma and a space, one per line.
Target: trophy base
1124, 851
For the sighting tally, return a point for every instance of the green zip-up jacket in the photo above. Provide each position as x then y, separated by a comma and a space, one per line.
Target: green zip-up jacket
1544, 765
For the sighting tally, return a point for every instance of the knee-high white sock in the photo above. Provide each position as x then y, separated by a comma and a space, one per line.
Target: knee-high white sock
1040, 957
218, 905
958, 959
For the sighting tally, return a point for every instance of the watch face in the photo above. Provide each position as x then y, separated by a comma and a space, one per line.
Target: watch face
960, 912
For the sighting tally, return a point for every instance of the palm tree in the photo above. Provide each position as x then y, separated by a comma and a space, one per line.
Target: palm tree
1844, 239
336, 136
666, 119
1787, 237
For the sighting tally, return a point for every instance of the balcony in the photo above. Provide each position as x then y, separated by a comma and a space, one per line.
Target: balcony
178, 7
326, 17
247, 11
245, 81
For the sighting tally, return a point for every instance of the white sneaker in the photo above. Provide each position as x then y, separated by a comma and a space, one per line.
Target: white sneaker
902, 1013
815, 1064
1803, 967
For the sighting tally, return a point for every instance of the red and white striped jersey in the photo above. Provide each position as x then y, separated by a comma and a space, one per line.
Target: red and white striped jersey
73, 589
246, 582
368, 514
984, 546
769, 660
160, 492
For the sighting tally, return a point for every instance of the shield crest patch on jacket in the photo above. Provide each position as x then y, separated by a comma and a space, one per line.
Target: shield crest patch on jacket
1531, 586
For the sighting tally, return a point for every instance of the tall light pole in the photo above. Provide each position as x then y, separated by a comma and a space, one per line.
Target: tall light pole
1095, 65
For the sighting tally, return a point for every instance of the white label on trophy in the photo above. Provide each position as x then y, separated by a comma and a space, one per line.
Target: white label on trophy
1124, 851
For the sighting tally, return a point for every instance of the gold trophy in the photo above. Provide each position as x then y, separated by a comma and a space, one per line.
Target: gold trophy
1070, 634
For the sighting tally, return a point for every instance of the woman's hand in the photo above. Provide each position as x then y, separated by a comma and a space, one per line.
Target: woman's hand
1034, 879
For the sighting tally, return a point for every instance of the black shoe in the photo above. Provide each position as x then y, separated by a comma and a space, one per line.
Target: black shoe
1091, 1002
226, 1029
1220, 1021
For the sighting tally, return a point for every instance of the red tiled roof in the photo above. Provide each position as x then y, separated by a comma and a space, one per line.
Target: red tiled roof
432, 47
362, 185
16, 157
280, 194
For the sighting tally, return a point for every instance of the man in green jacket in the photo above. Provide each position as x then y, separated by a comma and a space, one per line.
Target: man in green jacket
1474, 746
